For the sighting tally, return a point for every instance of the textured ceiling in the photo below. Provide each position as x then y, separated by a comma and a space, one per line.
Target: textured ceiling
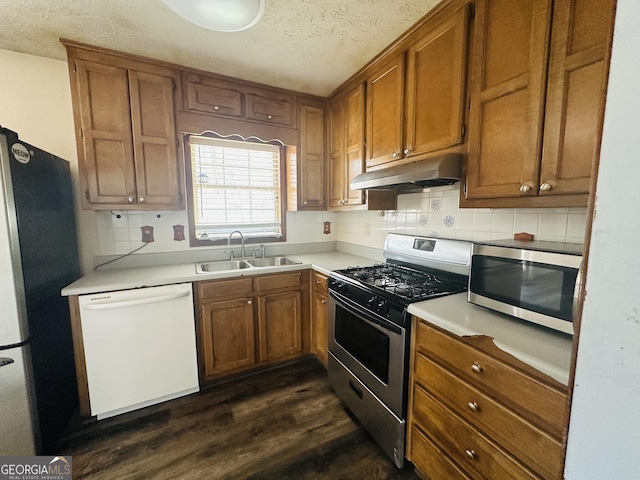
309, 46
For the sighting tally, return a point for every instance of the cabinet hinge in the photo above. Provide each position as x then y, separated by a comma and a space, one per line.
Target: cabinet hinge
81, 133
464, 131
202, 311
75, 67
465, 189
180, 196
86, 194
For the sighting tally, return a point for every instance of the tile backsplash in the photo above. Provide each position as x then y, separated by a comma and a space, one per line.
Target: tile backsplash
437, 213
120, 232
433, 212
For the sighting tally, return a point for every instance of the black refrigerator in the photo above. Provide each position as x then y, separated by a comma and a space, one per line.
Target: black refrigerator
38, 257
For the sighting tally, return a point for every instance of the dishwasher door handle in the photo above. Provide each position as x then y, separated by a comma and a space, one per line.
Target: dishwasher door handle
137, 301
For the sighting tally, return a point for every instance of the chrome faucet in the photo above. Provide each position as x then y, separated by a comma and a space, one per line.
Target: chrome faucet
242, 252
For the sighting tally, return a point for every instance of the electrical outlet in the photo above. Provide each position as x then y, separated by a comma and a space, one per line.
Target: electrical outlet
178, 233
327, 228
147, 234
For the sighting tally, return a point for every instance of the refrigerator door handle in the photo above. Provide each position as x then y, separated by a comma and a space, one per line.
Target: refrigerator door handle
5, 361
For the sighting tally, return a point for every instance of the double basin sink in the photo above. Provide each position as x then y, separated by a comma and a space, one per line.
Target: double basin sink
241, 264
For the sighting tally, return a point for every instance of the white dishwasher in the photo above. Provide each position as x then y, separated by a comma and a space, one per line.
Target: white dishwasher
139, 346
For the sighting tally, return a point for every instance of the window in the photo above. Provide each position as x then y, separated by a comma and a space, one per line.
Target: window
235, 185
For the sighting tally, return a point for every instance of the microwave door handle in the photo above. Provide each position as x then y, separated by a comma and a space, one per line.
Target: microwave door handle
577, 290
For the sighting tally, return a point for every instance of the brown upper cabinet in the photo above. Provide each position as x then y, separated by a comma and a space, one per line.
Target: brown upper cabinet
310, 159
213, 95
125, 123
536, 105
416, 99
346, 147
346, 123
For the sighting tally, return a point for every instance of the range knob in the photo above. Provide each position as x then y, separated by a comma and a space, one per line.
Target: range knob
383, 307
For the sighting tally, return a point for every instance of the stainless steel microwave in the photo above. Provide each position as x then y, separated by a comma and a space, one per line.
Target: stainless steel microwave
535, 281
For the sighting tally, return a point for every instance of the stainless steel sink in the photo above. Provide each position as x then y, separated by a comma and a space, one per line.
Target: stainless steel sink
226, 265
221, 266
272, 261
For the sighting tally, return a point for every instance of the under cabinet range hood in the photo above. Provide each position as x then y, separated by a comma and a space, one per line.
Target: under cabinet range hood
412, 177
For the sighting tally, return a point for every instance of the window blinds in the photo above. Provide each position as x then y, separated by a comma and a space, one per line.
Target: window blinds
236, 185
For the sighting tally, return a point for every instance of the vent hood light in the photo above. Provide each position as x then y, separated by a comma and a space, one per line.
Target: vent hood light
412, 177
219, 15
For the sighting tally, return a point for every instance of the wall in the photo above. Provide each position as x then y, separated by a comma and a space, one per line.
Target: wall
604, 431
437, 213
35, 101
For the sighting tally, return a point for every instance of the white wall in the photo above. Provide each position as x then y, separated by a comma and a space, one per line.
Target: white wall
604, 432
35, 102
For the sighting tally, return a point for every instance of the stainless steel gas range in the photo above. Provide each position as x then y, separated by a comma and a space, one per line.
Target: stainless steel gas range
369, 328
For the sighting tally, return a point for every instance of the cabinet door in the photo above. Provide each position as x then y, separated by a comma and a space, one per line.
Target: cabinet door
107, 165
385, 93
354, 142
578, 67
337, 172
154, 139
275, 108
279, 325
210, 95
311, 166
507, 93
227, 342
436, 71
319, 318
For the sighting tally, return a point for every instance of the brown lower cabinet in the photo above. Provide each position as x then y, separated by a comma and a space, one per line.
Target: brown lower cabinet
477, 412
248, 322
319, 314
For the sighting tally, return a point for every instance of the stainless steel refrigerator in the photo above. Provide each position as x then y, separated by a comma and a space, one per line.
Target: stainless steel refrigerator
38, 257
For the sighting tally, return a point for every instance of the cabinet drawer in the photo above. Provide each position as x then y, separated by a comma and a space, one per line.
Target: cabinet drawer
319, 283
535, 448
224, 288
430, 460
478, 456
209, 99
277, 109
275, 282
532, 399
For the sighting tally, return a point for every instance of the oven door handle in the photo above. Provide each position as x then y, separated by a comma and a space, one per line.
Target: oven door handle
366, 314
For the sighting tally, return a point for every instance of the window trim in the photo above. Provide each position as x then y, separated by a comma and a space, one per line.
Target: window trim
198, 242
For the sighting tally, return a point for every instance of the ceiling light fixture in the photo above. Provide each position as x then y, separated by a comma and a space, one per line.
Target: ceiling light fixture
219, 15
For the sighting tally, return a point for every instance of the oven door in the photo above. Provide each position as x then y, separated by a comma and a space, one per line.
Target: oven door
372, 348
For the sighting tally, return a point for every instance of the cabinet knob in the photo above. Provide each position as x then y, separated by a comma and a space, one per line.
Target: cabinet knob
395, 155
471, 455
318, 282
407, 151
525, 188
269, 117
305, 203
324, 300
250, 302
473, 406
141, 200
216, 108
131, 199
545, 187
476, 368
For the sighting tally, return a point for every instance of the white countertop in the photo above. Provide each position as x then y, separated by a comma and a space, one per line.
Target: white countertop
541, 348
112, 279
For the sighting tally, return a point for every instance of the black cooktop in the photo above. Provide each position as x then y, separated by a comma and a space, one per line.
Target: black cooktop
405, 283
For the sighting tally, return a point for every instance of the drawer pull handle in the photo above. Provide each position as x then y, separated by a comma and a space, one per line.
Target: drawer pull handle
471, 454
476, 368
473, 406
355, 389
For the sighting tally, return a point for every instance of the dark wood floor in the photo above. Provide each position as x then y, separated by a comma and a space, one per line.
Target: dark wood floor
285, 423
